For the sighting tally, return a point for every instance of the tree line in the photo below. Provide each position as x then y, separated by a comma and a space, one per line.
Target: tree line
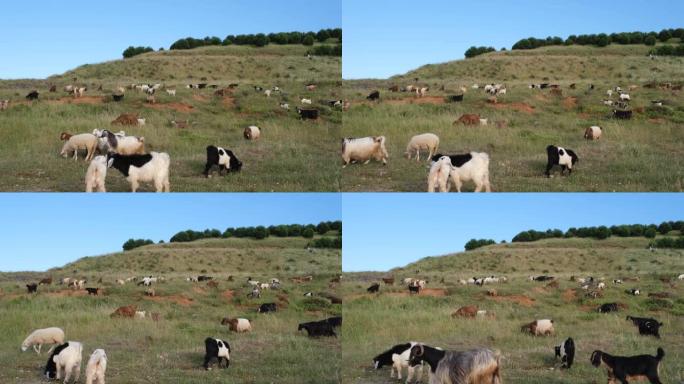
261, 39
476, 51
135, 51
477, 243
603, 232
603, 39
259, 232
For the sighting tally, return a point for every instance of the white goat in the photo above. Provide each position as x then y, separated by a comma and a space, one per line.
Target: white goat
96, 174
364, 149
96, 368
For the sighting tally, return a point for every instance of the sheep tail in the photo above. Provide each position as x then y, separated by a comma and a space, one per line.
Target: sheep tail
661, 354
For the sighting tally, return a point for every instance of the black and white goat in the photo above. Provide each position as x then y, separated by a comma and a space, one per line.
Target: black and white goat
225, 159
565, 158
621, 368
646, 325
566, 352
216, 349
397, 358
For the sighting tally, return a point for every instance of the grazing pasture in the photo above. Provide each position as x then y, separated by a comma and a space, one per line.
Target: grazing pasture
171, 348
291, 154
374, 322
643, 153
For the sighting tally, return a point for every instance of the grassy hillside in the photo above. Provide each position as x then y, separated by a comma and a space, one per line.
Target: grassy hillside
291, 155
172, 349
376, 322
627, 158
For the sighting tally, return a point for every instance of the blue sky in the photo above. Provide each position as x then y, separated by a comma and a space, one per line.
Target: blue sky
40, 231
46, 37
383, 231
389, 37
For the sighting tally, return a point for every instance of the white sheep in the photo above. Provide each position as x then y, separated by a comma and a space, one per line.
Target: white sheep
67, 362
680, 277
267, 93
624, 97
96, 174
85, 141
306, 101
155, 168
120, 282
39, 337
364, 149
96, 367
439, 174
428, 141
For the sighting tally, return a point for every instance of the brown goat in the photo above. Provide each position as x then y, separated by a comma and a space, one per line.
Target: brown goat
468, 119
127, 311
126, 119
388, 280
467, 311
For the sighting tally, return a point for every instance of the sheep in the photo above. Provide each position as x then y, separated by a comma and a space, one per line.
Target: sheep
566, 352
65, 359
629, 368
565, 158
439, 174
398, 358
96, 174
152, 167
39, 337
364, 149
624, 97
120, 143
473, 166
252, 132
237, 324
680, 277
539, 327
85, 141
475, 366
428, 141
593, 133
96, 367
216, 349
267, 93
306, 101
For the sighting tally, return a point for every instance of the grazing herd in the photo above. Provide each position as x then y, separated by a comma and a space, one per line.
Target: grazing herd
557, 155
65, 357
483, 365
109, 144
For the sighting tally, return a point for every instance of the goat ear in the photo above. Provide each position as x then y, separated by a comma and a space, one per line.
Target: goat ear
110, 162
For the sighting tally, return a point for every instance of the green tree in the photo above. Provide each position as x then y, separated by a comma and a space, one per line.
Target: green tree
650, 233
650, 40
308, 233
308, 40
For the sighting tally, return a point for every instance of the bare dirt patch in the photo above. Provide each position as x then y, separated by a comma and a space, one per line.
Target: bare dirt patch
228, 294
569, 295
92, 100
199, 98
228, 101
178, 107
177, 299
199, 290
418, 100
521, 107
518, 299
570, 102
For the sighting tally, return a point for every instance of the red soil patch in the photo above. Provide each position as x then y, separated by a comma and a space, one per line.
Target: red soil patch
228, 294
198, 290
199, 97
521, 107
228, 102
570, 102
92, 100
569, 295
178, 107
518, 299
178, 299
418, 100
